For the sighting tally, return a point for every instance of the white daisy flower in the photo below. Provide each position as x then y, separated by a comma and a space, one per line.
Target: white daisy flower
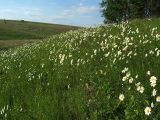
147, 111
154, 92
153, 81
141, 89
152, 105
148, 73
158, 99
121, 97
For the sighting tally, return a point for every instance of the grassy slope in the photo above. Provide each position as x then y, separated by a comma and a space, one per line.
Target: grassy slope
78, 75
13, 30
8, 44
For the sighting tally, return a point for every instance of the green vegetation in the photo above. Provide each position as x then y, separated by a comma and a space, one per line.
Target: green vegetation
13, 32
18, 30
103, 73
123, 10
7, 44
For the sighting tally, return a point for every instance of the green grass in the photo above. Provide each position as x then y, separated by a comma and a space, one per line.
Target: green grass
8, 44
19, 30
16, 33
80, 75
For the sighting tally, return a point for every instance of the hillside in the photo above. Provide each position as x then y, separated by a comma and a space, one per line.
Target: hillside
104, 73
19, 30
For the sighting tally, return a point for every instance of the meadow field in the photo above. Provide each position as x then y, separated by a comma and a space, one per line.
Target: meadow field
103, 73
15, 33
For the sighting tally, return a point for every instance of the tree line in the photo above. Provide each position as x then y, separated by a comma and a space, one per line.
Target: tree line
123, 10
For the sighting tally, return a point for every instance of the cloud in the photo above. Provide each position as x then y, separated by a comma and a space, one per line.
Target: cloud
86, 9
79, 14
80, 10
26, 13
76, 15
83, 9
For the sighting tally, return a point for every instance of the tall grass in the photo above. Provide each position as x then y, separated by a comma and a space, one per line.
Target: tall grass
103, 73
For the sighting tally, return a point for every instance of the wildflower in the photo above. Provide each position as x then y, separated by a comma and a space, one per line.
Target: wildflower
119, 53
141, 89
158, 52
152, 105
156, 49
115, 46
95, 52
72, 62
110, 36
138, 88
154, 92
137, 30
62, 57
125, 48
121, 97
130, 80
101, 71
151, 52
128, 74
106, 55
51, 52
42, 65
70, 55
68, 86
153, 80
157, 36
125, 70
135, 54
136, 76
124, 78
138, 84
148, 73
129, 53
153, 84
147, 111
158, 99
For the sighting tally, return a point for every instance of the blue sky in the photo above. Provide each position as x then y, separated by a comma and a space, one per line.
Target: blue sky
73, 12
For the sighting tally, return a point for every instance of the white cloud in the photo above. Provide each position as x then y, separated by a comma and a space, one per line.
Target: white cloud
86, 9
76, 15
80, 10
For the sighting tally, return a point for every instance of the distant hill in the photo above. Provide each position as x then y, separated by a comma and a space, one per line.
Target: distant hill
19, 30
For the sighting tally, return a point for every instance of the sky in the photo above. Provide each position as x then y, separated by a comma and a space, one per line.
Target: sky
70, 12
